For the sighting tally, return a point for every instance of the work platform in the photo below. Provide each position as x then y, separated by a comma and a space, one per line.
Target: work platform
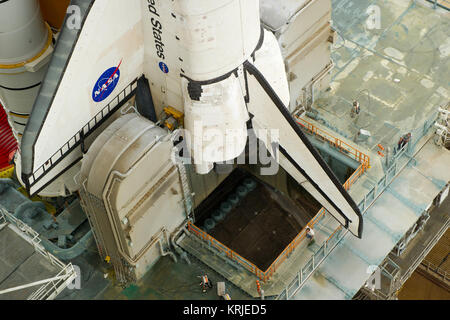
427, 253
437, 262
386, 221
397, 71
399, 74
246, 280
27, 271
399, 93
258, 223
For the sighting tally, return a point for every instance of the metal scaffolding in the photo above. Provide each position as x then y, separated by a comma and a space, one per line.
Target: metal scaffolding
50, 287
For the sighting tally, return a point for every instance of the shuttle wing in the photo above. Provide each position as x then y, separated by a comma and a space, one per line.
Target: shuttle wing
297, 155
267, 90
98, 57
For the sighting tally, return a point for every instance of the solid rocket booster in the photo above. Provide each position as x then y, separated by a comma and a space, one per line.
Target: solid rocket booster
25, 48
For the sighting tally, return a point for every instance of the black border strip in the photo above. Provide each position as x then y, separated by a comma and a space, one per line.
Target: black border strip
22, 124
284, 111
79, 142
61, 76
228, 74
260, 42
55, 177
211, 81
19, 115
20, 89
247, 94
439, 5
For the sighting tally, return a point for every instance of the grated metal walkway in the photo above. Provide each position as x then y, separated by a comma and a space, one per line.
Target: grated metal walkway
27, 270
20, 264
439, 255
385, 223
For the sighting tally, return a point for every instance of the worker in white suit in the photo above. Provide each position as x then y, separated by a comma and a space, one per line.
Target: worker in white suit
310, 234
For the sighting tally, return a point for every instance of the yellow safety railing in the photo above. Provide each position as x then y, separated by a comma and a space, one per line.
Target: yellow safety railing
265, 276
343, 147
350, 181
7, 172
336, 142
339, 228
223, 248
292, 246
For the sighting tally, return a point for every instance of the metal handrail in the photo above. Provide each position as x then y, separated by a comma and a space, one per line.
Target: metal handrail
359, 156
432, 267
262, 275
352, 179
444, 4
266, 275
336, 236
50, 289
365, 163
336, 142
376, 191
33, 235
223, 248
84, 132
339, 228
293, 245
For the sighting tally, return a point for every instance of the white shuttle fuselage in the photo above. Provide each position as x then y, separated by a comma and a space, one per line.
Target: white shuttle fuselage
210, 59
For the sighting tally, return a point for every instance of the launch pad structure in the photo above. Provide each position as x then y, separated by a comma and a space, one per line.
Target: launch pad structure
391, 190
398, 71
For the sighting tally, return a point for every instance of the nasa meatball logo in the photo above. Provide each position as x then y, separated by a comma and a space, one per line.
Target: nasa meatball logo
164, 68
106, 84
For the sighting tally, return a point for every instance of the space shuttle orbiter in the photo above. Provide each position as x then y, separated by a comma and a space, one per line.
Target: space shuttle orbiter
210, 59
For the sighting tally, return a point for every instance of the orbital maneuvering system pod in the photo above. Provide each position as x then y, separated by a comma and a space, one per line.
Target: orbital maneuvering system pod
210, 59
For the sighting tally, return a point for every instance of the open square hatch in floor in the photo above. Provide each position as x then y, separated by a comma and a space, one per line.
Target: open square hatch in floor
253, 219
